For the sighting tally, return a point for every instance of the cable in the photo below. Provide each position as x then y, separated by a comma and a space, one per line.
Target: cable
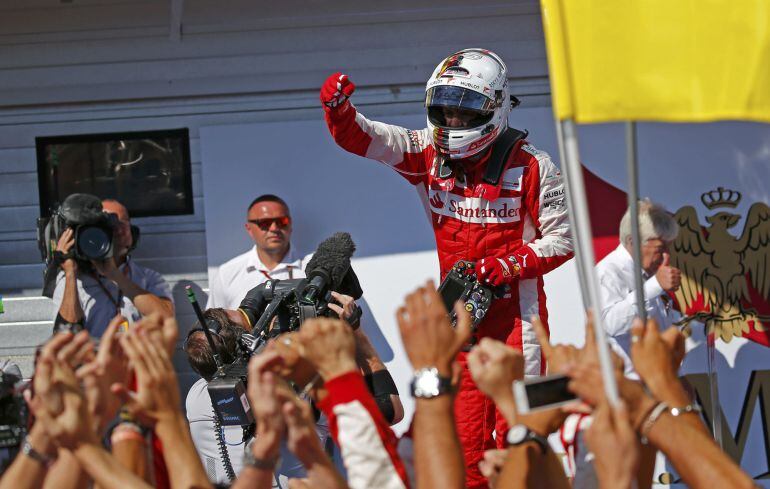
219, 432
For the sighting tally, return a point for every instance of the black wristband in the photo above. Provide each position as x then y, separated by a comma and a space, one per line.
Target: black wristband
385, 405
355, 318
380, 383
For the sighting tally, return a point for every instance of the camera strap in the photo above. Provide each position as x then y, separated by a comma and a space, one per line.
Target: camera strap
118, 301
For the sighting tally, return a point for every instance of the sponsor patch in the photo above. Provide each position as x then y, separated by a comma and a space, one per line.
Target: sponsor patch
474, 209
415, 138
512, 178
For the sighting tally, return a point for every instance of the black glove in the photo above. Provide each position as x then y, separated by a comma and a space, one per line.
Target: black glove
253, 305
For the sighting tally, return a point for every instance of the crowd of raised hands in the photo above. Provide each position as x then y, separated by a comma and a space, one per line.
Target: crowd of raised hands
656, 413
78, 391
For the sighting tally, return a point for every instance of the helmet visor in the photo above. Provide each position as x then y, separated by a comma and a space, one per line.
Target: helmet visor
476, 109
459, 98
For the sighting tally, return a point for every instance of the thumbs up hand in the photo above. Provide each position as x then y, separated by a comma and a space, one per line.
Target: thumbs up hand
669, 278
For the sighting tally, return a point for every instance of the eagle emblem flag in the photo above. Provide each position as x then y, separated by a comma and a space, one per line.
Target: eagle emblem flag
725, 278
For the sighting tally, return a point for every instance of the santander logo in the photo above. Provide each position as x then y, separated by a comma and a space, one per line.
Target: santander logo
476, 210
436, 202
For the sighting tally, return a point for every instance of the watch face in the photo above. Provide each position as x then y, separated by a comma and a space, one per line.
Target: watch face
426, 385
517, 434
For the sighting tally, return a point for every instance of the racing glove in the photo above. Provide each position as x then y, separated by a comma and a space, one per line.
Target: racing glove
336, 90
498, 271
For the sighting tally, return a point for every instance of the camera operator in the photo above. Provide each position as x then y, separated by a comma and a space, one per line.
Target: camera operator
117, 285
268, 224
227, 326
200, 412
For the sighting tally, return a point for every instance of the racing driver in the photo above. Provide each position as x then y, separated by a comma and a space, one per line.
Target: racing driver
492, 198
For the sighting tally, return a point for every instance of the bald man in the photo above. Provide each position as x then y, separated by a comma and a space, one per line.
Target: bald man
269, 225
118, 285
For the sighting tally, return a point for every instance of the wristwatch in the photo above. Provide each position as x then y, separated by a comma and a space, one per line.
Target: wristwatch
28, 450
519, 434
427, 384
250, 460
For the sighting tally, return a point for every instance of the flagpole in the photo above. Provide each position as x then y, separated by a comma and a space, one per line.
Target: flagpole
568, 177
582, 235
716, 406
632, 166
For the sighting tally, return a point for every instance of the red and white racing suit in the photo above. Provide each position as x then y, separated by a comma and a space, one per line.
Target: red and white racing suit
368, 446
525, 215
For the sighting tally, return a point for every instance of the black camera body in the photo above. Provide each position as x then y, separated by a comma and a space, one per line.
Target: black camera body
93, 234
92, 228
284, 301
13, 412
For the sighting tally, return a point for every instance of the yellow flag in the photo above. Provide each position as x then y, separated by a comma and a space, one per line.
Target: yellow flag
661, 60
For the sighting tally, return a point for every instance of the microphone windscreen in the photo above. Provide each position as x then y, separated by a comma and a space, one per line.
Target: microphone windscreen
333, 257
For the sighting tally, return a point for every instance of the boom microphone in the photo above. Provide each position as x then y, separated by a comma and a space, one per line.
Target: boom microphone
329, 269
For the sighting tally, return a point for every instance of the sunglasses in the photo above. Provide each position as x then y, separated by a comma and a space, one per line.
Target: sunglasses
267, 222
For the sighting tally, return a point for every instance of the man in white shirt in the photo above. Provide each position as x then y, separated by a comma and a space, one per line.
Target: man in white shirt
268, 223
657, 229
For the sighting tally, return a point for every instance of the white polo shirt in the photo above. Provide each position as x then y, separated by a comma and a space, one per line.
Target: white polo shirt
234, 278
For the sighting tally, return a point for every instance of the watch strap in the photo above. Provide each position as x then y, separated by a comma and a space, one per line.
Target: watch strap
530, 436
28, 450
249, 460
444, 384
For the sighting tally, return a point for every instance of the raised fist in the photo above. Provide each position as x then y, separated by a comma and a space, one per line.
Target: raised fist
669, 278
336, 90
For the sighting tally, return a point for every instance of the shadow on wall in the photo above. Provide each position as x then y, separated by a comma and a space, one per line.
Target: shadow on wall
374, 332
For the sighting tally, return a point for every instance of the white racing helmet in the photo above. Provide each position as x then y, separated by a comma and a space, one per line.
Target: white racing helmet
473, 80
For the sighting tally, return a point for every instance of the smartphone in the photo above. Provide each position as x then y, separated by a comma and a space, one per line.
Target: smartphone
540, 393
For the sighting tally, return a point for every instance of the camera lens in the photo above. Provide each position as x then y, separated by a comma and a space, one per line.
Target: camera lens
94, 242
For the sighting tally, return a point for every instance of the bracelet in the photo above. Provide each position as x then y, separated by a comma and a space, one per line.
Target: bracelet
651, 419
126, 435
42, 458
259, 463
693, 407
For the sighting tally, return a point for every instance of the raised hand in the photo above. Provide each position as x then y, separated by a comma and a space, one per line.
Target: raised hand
427, 333
64, 245
615, 446
669, 278
336, 90
160, 330
60, 405
559, 358
347, 309
329, 345
157, 395
494, 366
109, 367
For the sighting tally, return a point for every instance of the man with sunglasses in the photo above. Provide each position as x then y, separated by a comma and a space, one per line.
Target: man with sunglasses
492, 198
268, 223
